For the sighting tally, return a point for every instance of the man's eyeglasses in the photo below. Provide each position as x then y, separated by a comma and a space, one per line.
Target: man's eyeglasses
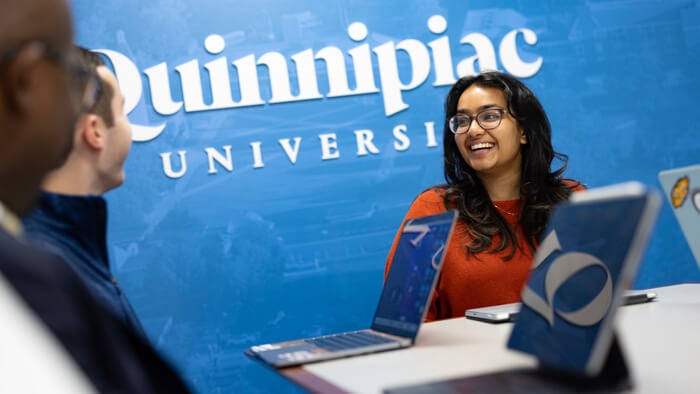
83, 78
487, 119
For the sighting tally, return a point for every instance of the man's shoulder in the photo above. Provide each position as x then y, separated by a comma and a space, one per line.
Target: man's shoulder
94, 337
31, 270
15, 250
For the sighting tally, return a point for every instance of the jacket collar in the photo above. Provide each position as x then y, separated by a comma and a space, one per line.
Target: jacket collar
81, 218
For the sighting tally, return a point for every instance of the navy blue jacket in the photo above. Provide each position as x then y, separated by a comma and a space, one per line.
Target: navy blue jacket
114, 358
75, 229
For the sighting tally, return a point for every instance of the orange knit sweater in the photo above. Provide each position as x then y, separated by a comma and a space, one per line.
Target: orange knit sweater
481, 279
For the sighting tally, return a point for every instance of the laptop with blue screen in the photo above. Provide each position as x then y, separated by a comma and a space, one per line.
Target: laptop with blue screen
402, 304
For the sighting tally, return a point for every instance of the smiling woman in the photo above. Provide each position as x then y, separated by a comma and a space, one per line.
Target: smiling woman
497, 156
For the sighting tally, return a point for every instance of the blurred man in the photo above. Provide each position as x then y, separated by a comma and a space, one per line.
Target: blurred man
43, 89
70, 219
39, 77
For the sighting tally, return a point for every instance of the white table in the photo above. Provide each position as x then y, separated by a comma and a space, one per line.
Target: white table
661, 343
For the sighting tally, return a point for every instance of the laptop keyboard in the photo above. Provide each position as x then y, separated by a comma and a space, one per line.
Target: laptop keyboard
349, 340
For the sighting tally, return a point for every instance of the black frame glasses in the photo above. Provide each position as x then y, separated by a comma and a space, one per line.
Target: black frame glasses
488, 119
83, 78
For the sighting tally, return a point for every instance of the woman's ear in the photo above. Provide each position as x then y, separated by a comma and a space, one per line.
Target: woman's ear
523, 137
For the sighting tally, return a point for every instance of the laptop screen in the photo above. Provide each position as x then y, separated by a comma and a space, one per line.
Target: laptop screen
409, 286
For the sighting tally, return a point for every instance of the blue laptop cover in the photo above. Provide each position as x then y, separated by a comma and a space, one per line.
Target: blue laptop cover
590, 253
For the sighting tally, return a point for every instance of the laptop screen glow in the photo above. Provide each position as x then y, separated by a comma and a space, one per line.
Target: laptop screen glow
409, 286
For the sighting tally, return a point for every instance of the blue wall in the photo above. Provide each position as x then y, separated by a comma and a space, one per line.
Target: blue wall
286, 234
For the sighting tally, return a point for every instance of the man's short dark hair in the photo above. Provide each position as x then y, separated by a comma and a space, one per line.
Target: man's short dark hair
103, 104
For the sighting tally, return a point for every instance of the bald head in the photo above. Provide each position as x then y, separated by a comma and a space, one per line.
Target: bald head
24, 20
38, 104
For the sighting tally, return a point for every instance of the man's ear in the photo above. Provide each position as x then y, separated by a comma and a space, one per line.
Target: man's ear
20, 80
93, 131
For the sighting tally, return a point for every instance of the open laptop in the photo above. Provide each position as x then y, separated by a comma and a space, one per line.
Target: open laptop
682, 189
402, 305
590, 253
508, 312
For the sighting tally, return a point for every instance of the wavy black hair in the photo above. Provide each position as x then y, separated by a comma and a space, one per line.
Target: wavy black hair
540, 187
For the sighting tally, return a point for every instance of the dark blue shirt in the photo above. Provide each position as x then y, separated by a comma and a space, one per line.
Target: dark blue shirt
75, 229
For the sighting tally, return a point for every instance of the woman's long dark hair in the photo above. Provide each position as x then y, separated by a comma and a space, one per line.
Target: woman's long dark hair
540, 187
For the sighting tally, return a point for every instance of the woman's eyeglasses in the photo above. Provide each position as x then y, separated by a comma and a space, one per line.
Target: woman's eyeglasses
487, 119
